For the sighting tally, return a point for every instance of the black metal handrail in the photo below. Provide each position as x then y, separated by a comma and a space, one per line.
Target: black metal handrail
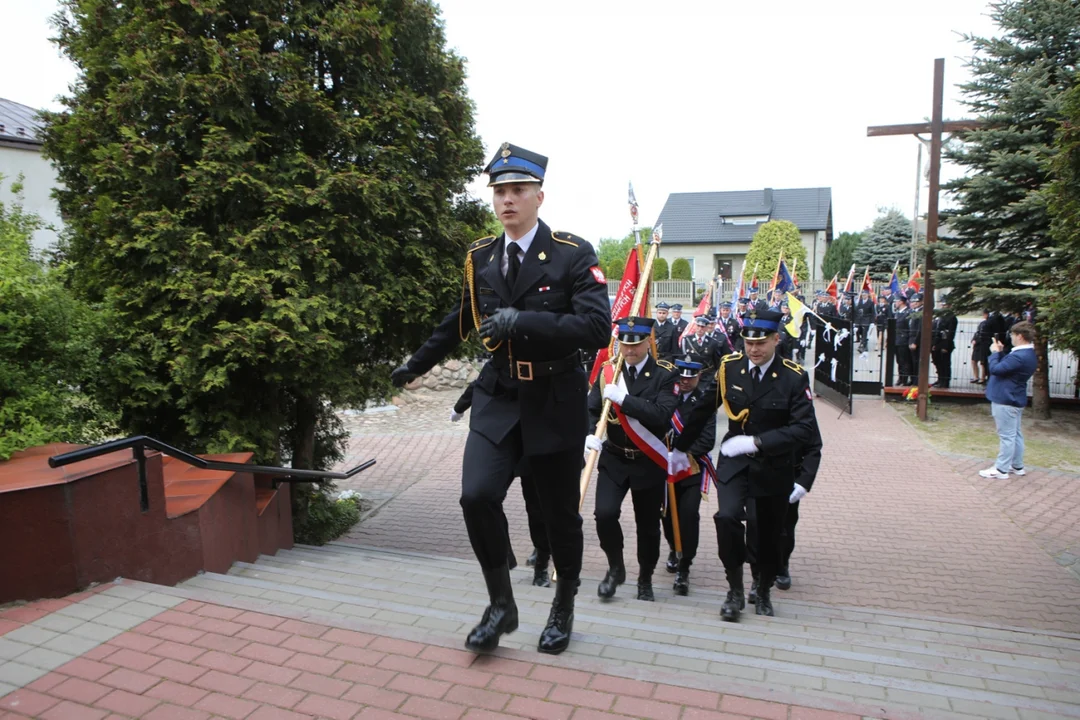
139, 443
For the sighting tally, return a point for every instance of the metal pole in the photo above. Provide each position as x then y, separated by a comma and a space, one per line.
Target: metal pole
915, 216
931, 236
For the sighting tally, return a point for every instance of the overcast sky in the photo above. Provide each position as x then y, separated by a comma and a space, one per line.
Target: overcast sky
674, 96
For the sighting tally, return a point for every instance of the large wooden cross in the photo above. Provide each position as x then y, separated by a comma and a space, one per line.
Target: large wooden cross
936, 127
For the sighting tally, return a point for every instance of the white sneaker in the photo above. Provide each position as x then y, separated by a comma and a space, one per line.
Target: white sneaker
993, 472
1018, 471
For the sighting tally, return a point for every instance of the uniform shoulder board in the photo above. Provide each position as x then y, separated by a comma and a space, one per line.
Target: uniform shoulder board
731, 356
666, 365
566, 238
794, 366
481, 243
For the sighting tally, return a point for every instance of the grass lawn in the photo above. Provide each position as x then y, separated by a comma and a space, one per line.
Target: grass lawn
969, 430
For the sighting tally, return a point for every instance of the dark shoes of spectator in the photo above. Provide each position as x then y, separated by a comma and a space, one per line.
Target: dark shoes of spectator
672, 562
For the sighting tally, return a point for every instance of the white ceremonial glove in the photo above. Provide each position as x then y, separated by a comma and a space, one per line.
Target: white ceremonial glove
593, 443
615, 393
455, 416
677, 462
738, 445
797, 494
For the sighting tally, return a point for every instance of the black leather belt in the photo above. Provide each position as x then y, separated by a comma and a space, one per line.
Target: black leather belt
531, 369
628, 453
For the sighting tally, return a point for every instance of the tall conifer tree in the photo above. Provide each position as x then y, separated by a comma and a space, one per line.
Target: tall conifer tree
1003, 251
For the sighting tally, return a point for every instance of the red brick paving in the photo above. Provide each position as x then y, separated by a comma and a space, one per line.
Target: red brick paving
414, 680
891, 523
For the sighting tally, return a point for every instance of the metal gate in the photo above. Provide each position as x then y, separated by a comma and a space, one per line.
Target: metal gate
833, 355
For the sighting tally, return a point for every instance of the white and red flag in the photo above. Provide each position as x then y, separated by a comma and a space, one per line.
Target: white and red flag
624, 299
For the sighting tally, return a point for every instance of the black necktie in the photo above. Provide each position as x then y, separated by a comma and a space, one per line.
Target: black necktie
756, 374
631, 372
512, 250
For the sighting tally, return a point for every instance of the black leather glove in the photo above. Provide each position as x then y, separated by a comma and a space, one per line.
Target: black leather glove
499, 326
402, 376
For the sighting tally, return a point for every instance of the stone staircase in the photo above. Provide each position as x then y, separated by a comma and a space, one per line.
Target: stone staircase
870, 663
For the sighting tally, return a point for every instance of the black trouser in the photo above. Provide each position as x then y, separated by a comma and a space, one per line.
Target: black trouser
903, 365
769, 513
943, 365
487, 471
787, 544
688, 502
612, 484
862, 335
537, 528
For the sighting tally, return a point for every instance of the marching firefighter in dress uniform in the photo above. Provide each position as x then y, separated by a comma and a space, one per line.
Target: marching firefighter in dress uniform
731, 325
535, 296
808, 462
767, 402
643, 401
678, 320
688, 490
667, 340
704, 346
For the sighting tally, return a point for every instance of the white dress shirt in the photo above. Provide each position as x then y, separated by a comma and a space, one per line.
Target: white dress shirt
763, 367
523, 243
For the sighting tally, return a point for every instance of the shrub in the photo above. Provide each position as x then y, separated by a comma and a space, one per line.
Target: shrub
660, 269
327, 518
680, 270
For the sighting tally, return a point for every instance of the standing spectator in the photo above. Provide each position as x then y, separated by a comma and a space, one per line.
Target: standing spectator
1007, 393
903, 353
864, 318
980, 349
944, 342
881, 319
915, 338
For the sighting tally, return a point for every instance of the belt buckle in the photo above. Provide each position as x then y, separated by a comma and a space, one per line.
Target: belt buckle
524, 369
630, 453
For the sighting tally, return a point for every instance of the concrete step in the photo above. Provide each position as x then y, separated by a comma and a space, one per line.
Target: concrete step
887, 663
827, 622
687, 624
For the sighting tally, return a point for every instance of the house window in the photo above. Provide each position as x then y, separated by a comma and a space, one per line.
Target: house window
692, 268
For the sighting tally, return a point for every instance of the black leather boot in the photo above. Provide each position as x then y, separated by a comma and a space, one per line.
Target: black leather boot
532, 558
735, 601
682, 582
500, 617
616, 576
540, 569
764, 605
644, 588
556, 635
672, 562
783, 579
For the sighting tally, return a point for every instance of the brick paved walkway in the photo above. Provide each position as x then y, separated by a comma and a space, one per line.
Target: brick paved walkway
120, 651
891, 523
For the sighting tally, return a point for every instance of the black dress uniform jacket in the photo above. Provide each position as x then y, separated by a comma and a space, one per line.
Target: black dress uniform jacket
778, 412
667, 340
562, 296
651, 399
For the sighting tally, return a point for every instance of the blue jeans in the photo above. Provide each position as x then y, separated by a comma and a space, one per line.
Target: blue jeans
1010, 436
